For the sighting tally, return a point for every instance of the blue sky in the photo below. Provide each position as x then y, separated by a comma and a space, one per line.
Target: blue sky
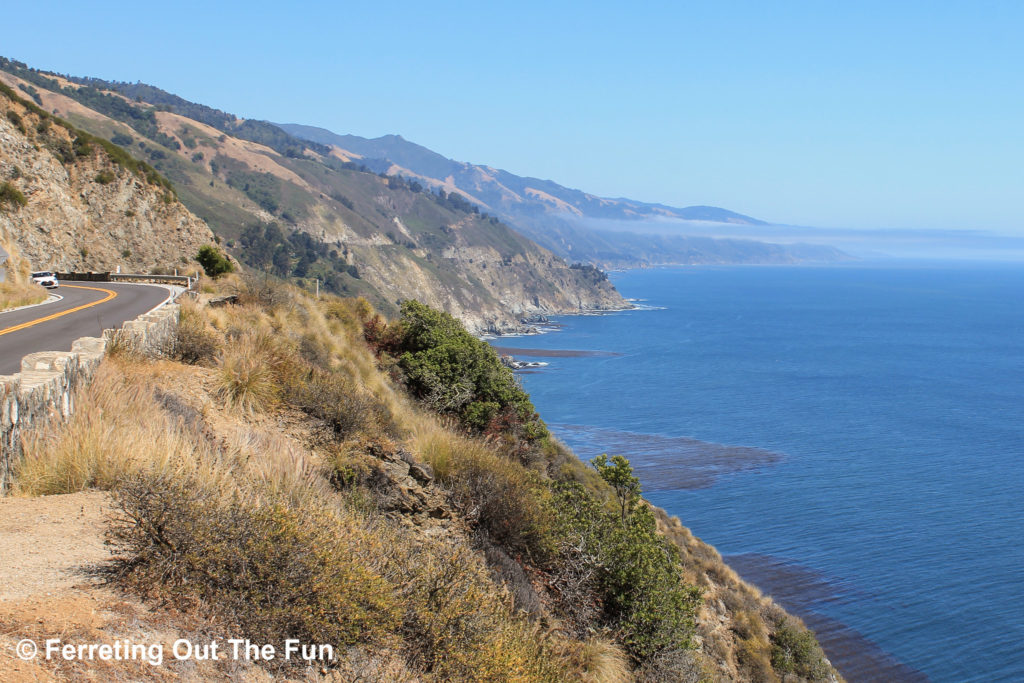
867, 114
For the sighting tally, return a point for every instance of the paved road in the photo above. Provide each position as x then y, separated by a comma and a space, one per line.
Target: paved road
86, 310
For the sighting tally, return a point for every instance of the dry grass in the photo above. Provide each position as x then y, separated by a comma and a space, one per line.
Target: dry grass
244, 526
223, 461
18, 289
118, 429
598, 660
498, 496
247, 382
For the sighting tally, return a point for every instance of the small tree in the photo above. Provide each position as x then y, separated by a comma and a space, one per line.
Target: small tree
214, 263
619, 473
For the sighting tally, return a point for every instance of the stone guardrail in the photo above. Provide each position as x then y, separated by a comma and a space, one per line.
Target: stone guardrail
45, 387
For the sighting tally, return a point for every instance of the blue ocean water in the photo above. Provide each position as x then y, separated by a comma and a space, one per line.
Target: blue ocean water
881, 411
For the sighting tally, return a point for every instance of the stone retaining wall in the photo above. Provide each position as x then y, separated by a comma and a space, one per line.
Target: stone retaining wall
45, 387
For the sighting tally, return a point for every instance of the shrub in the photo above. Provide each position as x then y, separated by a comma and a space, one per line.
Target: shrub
344, 407
457, 628
105, 177
81, 147
679, 666
271, 571
193, 341
266, 292
454, 373
214, 263
635, 572
15, 119
12, 196
795, 650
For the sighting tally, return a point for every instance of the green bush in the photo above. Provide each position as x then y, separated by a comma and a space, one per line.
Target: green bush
81, 147
105, 177
795, 650
15, 119
12, 196
454, 373
634, 572
214, 263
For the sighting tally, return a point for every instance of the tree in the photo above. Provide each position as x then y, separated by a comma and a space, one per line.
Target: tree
214, 263
619, 473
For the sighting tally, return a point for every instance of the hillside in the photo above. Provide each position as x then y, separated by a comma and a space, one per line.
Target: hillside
573, 224
298, 209
301, 469
500, 189
74, 202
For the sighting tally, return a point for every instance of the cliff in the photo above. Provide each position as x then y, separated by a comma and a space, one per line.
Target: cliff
283, 475
81, 207
297, 210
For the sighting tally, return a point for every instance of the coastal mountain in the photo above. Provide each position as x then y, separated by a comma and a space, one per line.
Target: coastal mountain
573, 224
501, 190
69, 201
298, 209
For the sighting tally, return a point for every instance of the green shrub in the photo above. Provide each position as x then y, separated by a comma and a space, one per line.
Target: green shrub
11, 196
214, 263
105, 177
634, 572
81, 147
15, 119
795, 650
454, 373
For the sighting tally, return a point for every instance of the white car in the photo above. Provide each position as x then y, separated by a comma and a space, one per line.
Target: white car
46, 278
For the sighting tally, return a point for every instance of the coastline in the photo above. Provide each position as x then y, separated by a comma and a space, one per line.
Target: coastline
799, 590
852, 654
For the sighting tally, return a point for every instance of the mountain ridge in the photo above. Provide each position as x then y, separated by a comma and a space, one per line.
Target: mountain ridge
416, 158
574, 224
293, 209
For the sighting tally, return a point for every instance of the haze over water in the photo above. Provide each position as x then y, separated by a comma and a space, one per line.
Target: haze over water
859, 425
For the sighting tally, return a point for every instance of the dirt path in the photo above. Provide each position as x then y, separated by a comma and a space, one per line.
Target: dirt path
48, 545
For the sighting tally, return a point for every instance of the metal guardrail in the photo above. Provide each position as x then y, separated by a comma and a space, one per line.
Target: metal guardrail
187, 281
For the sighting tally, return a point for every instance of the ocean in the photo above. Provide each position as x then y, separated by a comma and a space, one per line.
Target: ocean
849, 437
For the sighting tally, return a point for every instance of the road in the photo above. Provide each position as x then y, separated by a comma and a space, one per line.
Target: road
86, 310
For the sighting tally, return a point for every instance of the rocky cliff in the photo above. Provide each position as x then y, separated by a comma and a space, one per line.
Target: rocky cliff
73, 203
296, 210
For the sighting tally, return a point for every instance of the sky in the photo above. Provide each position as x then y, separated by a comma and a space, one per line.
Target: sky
846, 115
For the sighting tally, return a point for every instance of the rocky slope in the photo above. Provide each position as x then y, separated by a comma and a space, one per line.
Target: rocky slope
76, 206
296, 209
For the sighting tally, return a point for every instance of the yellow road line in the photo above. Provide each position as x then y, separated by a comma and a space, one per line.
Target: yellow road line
110, 295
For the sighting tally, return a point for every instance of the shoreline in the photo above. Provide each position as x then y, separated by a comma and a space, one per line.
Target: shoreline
800, 591
797, 589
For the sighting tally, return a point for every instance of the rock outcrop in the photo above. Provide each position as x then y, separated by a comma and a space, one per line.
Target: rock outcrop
78, 208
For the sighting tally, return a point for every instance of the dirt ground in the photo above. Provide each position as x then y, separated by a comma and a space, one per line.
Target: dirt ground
50, 549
